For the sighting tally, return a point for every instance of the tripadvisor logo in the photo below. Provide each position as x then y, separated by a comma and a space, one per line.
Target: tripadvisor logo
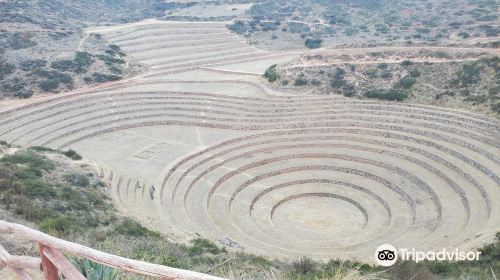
387, 255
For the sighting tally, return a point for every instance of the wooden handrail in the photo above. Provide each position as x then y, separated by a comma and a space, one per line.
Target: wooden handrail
17, 267
50, 247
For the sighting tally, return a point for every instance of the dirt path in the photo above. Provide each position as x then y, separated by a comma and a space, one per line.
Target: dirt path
82, 41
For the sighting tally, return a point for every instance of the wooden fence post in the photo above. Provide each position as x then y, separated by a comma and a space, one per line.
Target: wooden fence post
49, 269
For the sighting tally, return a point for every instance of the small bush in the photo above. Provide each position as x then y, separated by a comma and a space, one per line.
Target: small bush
34, 163
49, 85
79, 64
406, 63
18, 41
304, 266
72, 155
17, 88
58, 225
102, 78
406, 83
239, 27
4, 143
313, 43
271, 75
132, 228
383, 94
414, 73
386, 74
464, 35
53, 79
202, 246
300, 81
383, 66
110, 60
496, 107
23, 93
298, 28
79, 180
6, 69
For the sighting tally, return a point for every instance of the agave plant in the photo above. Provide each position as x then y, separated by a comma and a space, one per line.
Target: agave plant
95, 271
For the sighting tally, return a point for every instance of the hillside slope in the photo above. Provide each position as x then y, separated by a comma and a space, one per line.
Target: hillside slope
43, 47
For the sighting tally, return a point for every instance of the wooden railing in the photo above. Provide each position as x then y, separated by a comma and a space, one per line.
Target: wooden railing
53, 263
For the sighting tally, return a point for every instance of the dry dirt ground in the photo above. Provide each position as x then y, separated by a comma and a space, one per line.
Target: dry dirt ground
197, 146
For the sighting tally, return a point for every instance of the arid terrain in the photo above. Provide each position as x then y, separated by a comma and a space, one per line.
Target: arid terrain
276, 151
197, 145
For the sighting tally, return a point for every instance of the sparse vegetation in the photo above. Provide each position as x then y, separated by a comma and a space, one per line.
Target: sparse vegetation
79, 64
18, 41
367, 22
474, 82
56, 207
6, 69
405, 83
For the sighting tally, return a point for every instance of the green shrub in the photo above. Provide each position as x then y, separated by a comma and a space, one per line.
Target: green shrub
339, 73
304, 266
18, 41
386, 74
464, 35
132, 228
383, 66
41, 149
38, 188
313, 43
82, 61
405, 82
58, 225
79, 64
6, 69
31, 160
79, 180
110, 60
270, 74
49, 85
300, 81
442, 268
53, 79
102, 78
202, 246
383, 94
238, 27
495, 107
72, 155
29, 65
63, 65
298, 27
23, 93
414, 73
17, 88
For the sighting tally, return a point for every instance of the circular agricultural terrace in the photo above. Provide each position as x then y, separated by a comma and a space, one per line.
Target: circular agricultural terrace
204, 153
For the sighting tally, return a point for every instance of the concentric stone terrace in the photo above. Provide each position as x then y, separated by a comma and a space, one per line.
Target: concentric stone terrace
280, 175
